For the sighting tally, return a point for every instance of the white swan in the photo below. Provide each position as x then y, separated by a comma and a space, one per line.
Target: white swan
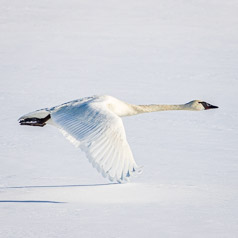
94, 125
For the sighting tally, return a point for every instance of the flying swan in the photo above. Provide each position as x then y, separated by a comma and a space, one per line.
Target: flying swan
94, 124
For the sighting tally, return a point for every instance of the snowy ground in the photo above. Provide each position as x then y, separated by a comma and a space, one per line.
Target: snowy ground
164, 51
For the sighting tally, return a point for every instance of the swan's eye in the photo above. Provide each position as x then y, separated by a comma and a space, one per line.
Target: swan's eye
205, 105
208, 106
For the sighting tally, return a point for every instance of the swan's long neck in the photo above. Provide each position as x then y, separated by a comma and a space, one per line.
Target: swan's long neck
138, 109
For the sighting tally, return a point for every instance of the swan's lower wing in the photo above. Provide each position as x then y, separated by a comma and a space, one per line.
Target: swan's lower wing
101, 135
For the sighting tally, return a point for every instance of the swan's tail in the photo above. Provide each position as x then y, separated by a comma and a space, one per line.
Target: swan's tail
36, 118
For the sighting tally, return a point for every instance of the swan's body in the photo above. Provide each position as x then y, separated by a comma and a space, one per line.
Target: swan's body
94, 125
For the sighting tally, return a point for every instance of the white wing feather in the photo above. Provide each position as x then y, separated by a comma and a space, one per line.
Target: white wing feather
100, 134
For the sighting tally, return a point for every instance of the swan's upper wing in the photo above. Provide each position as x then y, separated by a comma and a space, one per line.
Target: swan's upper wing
101, 135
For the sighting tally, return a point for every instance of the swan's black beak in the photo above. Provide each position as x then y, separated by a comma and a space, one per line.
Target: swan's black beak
208, 106
212, 107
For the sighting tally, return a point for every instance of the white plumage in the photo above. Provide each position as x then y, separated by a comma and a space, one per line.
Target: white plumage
99, 132
94, 125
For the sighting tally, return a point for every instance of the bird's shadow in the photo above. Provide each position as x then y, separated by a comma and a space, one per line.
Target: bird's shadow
61, 186
49, 186
28, 201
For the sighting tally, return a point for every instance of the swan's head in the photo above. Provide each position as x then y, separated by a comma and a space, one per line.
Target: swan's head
198, 105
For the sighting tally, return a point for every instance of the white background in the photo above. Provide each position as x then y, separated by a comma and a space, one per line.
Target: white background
142, 52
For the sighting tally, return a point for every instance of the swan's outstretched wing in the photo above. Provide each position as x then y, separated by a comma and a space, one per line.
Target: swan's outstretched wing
101, 135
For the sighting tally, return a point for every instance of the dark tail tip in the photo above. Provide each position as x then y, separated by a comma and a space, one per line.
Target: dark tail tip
34, 121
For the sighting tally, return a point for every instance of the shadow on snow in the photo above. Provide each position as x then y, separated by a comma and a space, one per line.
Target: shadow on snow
27, 201
61, 186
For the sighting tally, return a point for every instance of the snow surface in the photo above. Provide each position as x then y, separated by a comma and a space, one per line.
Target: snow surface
166, 51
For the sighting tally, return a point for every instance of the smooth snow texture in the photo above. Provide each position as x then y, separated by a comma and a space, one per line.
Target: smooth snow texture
141, 52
